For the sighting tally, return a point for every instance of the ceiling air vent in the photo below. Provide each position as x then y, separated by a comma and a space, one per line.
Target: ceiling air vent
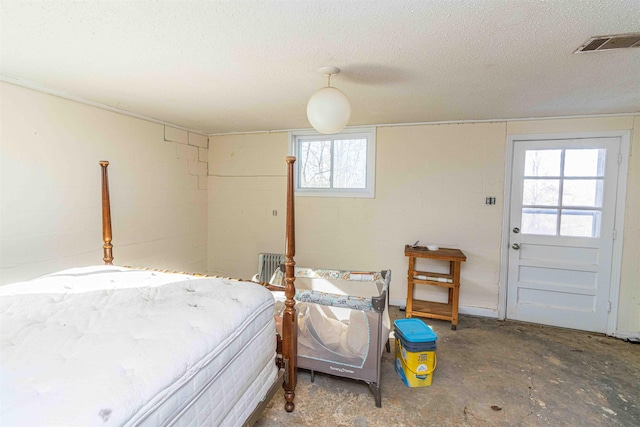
618, 41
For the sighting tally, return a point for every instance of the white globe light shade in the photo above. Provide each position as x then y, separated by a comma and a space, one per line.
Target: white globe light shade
329, 110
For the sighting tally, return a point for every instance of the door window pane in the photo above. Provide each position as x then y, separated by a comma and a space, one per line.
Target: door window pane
542, 163
350, 163
541, 192
587, 162
539, 221
582, 192
580, 223
315, 164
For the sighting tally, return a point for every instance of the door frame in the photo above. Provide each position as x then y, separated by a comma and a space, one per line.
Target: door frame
621, 195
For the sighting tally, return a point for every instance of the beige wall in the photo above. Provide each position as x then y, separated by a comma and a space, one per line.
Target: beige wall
421, 194
431, 184
50, 188
247, 184
629, 307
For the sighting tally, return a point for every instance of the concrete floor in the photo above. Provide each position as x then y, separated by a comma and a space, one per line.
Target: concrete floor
489, 373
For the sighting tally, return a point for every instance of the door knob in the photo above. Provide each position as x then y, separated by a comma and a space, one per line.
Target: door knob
516, 230
515, 246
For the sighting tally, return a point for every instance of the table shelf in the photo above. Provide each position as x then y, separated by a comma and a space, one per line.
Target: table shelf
435, 310
451, 281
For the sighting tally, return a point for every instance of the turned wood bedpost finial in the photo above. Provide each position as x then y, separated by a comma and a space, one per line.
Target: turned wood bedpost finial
107, 248
289, 327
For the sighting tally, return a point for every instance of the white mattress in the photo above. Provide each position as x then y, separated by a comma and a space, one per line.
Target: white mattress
109, 346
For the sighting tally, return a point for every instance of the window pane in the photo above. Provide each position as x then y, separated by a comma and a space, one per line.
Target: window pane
539, 221
541, 192
588, 162
315, 164
582, 192
337, 165
580, 223
542, 163
350, 163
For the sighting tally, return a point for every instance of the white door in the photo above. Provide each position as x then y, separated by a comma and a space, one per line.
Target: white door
562, 216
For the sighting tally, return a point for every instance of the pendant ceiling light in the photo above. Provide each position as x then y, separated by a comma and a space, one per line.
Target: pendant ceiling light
329, 110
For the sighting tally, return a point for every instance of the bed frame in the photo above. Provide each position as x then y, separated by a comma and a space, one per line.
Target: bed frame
287, 356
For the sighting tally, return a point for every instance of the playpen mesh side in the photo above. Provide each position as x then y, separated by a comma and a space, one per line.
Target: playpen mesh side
338, 328
324, 337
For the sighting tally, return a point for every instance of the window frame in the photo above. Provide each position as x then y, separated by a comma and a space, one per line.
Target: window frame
365, 133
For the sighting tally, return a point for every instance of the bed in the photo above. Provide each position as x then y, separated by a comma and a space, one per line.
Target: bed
110, 345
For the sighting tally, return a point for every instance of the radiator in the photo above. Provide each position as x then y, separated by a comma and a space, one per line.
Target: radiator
267, 265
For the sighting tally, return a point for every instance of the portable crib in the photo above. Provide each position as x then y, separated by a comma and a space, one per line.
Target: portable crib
343, 322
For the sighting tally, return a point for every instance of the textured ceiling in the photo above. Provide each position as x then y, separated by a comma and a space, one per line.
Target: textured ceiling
243, 65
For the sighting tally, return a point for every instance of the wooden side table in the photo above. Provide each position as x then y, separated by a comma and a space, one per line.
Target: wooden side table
430, 309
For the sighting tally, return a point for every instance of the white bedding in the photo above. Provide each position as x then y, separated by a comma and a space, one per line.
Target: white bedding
109, 346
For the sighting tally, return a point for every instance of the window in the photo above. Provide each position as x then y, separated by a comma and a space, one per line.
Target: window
338, 165
563, 192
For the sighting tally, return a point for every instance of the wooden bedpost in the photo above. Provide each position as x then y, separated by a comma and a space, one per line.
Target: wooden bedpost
107, 248
289, 326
